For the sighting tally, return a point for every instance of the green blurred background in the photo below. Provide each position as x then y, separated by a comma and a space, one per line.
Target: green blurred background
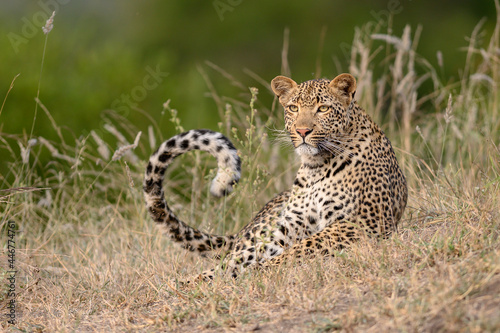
101, 51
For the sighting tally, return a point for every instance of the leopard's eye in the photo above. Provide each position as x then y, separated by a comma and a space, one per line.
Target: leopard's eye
323, 108
293, 108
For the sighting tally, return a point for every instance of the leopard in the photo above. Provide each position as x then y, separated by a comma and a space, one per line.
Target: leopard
349, 183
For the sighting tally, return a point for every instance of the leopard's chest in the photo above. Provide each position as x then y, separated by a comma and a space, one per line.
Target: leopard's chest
317, 200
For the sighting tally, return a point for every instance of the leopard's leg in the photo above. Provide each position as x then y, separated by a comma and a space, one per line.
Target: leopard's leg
324, 243
259, 240
206, 276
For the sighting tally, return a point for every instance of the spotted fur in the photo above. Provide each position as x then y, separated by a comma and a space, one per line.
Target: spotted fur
228, 174
349, 182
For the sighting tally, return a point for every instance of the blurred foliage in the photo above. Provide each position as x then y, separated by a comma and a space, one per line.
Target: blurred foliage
99, 51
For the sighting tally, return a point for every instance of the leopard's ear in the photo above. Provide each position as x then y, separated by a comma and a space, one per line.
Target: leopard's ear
282, 85
344, 86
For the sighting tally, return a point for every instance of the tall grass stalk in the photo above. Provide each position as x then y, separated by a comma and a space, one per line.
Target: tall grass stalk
46, 30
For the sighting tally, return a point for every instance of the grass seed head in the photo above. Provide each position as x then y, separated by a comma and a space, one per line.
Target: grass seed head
49, 24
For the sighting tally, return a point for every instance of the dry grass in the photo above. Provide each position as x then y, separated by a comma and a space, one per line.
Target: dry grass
89, 259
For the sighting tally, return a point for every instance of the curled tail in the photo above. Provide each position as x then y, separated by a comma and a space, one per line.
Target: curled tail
228, 174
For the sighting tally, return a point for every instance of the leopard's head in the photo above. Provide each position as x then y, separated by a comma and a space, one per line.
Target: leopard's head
315, 111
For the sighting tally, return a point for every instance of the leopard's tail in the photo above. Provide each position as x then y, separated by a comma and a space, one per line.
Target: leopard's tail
228, 174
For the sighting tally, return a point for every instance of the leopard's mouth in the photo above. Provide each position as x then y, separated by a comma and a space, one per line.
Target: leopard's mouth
306, 149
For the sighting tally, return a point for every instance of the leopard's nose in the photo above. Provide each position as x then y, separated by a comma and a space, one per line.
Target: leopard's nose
303, 132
